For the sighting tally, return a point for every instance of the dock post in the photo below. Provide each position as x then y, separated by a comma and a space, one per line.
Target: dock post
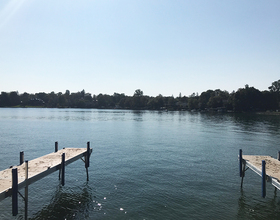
21, 157
63, 169
56, 146
263, 179
87, 159
26, 189
15, 191
240, 163
278, 156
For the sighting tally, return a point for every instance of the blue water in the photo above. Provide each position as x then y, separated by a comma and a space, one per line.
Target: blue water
144, 165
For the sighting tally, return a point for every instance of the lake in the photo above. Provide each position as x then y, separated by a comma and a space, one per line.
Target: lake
144, 164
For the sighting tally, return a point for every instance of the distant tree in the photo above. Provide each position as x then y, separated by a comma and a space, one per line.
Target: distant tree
83, 93
275, 89
215, 102
53, 100
103, 101
24, 99
4, 99
204, 98
42, 96
138, 101
275, 86
14, 98
248, 99
61, 100
171, 103
269, 101
138, 93
128, 102
193, 102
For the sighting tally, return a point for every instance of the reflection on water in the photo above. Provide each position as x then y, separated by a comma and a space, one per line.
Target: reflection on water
255, 122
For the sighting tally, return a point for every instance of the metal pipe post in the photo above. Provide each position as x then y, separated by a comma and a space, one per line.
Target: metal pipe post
21, 157
26, 189
263, 179
63, 169
56, 146
240, 163
15, 191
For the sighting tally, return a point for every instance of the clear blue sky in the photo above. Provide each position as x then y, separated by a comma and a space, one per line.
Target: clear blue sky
159, 46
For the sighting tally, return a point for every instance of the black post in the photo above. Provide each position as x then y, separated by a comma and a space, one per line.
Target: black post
278, 156
21, 157
88, 153
63, 169
240, 163
26, 189
56, 147
263, 179
87, 159
243, 174
15, 191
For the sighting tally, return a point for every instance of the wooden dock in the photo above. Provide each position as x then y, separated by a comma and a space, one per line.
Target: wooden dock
265, 166
18, 177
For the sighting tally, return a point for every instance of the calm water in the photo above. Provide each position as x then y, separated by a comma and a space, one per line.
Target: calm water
144, 165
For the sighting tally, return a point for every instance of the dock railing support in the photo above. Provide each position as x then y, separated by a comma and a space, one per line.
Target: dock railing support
87, 159
21, 157
240, 163
14, 191
242, 166
263, 179
56, 146
63, 169
26, 190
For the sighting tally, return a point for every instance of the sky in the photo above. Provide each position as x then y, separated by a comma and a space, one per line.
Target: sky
162, 47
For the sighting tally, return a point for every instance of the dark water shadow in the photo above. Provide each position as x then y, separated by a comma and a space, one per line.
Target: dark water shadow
258, 209
68, 203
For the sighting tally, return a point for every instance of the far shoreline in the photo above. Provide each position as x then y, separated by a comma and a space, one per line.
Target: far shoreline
276, 113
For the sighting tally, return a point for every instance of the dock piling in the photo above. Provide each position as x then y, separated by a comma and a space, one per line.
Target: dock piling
263, 179
87, 159
88, 153
15, 191
26, 190
242, 167
240, 163
56, 146
21, 157
63, 169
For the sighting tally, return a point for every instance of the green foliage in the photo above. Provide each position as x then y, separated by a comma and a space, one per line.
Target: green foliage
275, 86
245, 99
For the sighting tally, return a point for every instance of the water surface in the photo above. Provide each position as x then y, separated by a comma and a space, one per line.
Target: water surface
144, 165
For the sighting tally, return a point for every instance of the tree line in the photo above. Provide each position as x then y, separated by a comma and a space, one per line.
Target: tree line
248, 99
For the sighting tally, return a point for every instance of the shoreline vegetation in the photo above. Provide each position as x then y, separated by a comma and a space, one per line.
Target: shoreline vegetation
248, 99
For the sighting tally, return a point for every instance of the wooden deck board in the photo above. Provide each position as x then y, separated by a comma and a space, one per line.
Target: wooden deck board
38, 168
272, 164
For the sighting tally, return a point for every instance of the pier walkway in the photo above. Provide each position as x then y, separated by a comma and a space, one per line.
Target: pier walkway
265, 166
28, 172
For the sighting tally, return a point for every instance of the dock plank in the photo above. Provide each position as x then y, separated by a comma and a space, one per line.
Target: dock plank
38, 168
272, 164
